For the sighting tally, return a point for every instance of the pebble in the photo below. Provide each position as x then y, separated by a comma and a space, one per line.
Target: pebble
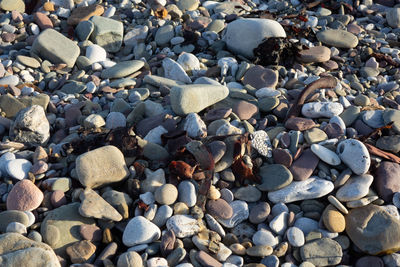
183, 225
325, 154
240, 213
300, 190
295, 236
94, 206
274, 177
355, 155
259, 212
322, 252
166, 194
139, 230
337, 38
321, 109
355, 188
25, 196
18, 168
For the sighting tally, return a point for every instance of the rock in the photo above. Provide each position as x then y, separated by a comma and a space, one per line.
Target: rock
219, 208
187, 193
355, 188
137, 34
60, 227
248, 193
389, 143
101, 166
31, 126
393, 17
10, 5
315, 54
303, 167
240, 213
139, 230
188, 61
107, 33
194, 98
90, 232
17, 250
369, 261
10, 80
154, 179
28, 61
321, 109
56, 48
81, 251
84, 13
260, 77
195, 126
24, 196
306, 225
18, 168
259, 251
172, 70
261, 142
325, 154
183, 225
322, 252
387, 180
274, 177
295, 236
130, 259
279, 224
311, 188
333, 220
264, 238
122, 69
9, 216
166, 194
96, 53
206, 260
84, 30
337, 38
94, 206
42, 21
299, 124
373, 230
115, 120
355, 155
243, 35
259, 212
164, 34
94, 121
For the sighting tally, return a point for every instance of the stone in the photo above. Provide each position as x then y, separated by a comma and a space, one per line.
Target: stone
337, 38
260, 77
300, 190
315, 135
303, 167
9, 216
248, 193
355, 188
206, 260
25, 196
295, 237
195, 126
316, 54
389, 143
387, 180
267, 104
183, 225
261, 142
96, 53
259, 251
94, 121
243, 35
107, 33
10, 80
369, 261
172, 70
322, 252
307, 225
264, 238
42, 20
188, 61
154, 179
122, 69
94, 206
325, 154
321, 109
333, 220
187, 193
219, 208
299, 124
373, 230
28, 61
84, 29
194, 98
60, 227
90, 232
130, 259
101, 166
56, 48
259, 212
355, 155
31, 126
240, 213
84, 13
279, 223
139, 230
164, 34
81, 251
18, 168
166, 194
13, 5
115, 120
393, 17
274, 177
17, 250
137, 34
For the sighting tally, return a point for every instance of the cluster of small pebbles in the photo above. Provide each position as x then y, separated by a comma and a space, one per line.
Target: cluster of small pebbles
257, 133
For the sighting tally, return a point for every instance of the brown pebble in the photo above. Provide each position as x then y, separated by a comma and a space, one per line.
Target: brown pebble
299, 124
42, 21
81, 251
90, 232
58, 199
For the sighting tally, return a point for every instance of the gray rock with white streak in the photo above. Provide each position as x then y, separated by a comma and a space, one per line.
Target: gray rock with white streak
313, 187
183, 225
195, 126
355, 188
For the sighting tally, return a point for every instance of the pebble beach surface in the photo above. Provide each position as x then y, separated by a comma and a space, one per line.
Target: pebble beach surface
193, 133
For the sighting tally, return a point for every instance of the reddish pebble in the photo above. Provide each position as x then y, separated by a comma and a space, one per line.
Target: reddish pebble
39, 167
16, 16
58, 199
304, 166
42, 21
25, 196
299, 124
91, 232
7, 37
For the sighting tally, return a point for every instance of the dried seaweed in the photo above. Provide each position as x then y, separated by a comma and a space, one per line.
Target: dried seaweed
276, 51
